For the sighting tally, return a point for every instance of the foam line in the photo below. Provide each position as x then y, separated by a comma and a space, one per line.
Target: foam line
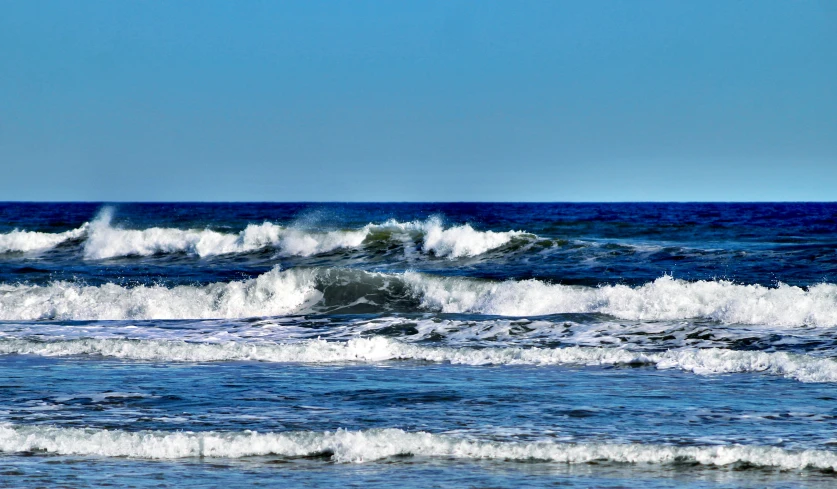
366, 446
805, 368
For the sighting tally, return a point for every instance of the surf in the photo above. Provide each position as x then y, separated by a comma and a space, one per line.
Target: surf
335, 290
344, 446
708, 361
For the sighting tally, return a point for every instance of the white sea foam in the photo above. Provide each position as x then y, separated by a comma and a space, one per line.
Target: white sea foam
273, 293
663, 299
805, 368
365, 446
106, 241
27, 241
457, 241
297, 290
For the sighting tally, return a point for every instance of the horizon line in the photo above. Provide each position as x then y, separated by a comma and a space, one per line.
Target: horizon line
417, 202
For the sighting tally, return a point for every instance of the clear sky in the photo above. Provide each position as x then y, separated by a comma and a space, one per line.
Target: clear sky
418, 100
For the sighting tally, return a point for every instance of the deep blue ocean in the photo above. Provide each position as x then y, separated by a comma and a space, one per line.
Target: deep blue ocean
418, 345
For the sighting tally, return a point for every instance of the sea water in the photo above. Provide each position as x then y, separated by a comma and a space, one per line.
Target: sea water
418, 345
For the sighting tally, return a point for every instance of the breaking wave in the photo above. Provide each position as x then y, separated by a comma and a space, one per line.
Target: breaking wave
303, 290
663, 299
362, 446
105, 241
27, 241
271, 294
805, 368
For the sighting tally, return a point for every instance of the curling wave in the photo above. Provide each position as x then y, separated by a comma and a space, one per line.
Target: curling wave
302, 290
805, 368
28, 241
362, 446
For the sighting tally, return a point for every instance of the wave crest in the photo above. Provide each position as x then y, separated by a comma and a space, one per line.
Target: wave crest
270, 294
27, 241
362, 446
453, 242
106, 241
663, 299
351, 291
805, 368
103, 240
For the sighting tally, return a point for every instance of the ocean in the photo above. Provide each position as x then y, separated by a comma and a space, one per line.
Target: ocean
418, 345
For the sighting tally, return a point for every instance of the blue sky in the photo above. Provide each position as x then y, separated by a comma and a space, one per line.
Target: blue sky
418, 100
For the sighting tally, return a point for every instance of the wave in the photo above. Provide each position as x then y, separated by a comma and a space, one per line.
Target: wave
454, 242
106, 241
470, 331
271, 294
363, 446
804, 368
303, 290
28, 241
663, 299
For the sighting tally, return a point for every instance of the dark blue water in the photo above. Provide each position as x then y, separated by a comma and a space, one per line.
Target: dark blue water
579, 345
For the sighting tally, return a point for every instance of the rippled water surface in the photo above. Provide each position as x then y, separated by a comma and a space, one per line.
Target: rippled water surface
416, 345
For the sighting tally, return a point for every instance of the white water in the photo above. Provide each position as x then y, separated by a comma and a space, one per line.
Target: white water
363, 446
28, 241
805, 368
454, 242
270, 294
104, 240
296, 290
663, 299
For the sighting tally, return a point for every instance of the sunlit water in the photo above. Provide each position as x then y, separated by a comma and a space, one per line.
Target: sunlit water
416, 345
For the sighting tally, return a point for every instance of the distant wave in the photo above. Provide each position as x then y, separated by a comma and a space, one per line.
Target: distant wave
305, 290
805, 368
361, 446
27, 241
104, 240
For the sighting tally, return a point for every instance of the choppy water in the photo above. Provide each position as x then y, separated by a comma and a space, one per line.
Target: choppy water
416, 345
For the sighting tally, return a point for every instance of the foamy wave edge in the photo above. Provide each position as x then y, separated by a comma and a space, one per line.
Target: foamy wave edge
106, 241
299, 290
102, 240
804, 368
364, 446
29, 241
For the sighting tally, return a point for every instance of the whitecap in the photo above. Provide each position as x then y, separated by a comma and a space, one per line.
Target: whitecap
805, 368
106, 241
365, 446
29, 241
299, 290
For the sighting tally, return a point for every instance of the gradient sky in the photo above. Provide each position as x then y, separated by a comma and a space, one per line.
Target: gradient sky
418, 100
